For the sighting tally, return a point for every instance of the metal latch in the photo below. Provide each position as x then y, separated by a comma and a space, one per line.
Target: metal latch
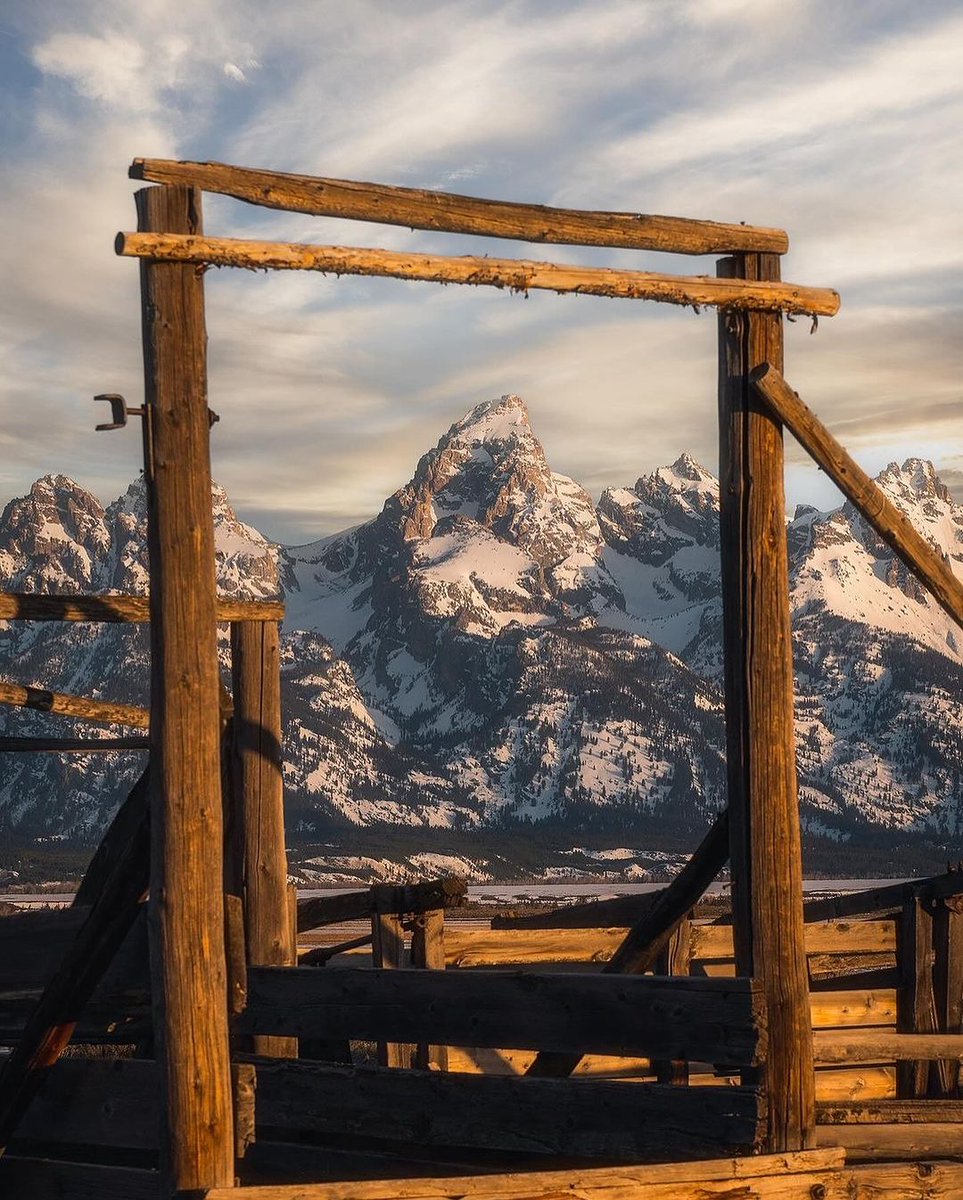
119, 411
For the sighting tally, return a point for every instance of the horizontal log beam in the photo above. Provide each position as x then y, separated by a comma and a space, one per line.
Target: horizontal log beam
501, 947
890, 1112
50, 1179
21, 745
714, 1020
119, 609
67, 705
580, 1117
893, 526
446, 212
881, 1045
516, 275
316, 911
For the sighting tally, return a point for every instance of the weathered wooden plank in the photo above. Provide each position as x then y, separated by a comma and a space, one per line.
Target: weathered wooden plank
187, 884
417, 208
481, 947
713, 1020
769, 1180
48, 1179
891, 1112
119, 609
514, 274
67, 705
257, 800
948, 983
316, 911
907, 1145
32, 945
855, 1083
854, 1008
883, 1045
892, 525
766, 856
540, 1116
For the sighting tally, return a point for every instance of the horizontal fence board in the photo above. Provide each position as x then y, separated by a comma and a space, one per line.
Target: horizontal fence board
418, 208
892, 1112
317, 911
575, 1117
825, 937
901, 1142
29, 1178
510, 274
33, 943
883, 1045
866, 1082
494, 947
715, 1020
119, 609
853, 1008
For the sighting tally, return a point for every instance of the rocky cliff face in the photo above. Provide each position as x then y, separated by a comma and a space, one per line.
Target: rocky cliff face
492, 648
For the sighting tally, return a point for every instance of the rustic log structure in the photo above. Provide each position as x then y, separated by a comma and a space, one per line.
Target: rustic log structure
777, 1028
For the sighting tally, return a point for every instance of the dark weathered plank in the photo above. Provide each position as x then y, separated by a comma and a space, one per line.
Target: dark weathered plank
843, 1046
647, 939
892, 525
402, 898
388, 953
948, 983
186, 893
766, 859
714, 1020
45, 1179
417, 208
889, 1112
32, 945
541, 1116
513, 274
119, 609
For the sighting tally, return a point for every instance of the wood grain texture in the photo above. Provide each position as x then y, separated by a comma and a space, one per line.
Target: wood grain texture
67, 705
48, 1179
916, 1000
538, 1116
258, 805
186, 897
714, 1020
892, 525
428, 954
417, 208
766, 858
388, 954
316, 911
119, 609
516, 275
882, 1045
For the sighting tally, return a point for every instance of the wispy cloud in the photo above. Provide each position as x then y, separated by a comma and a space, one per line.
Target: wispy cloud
839, 121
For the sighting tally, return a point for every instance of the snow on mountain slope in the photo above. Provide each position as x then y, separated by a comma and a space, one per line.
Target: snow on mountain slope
491, 649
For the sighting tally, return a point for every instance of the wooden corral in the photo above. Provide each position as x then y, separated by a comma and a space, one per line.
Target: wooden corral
618, 1049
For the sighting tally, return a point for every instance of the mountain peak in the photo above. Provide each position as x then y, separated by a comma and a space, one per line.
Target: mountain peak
500, 420
917, 477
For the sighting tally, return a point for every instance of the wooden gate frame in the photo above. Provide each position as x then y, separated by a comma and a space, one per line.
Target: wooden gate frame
186, 928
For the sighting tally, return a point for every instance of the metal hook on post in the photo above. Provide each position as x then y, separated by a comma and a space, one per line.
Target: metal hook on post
119, 411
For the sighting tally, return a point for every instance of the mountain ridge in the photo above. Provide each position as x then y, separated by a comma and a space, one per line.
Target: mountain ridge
494, 650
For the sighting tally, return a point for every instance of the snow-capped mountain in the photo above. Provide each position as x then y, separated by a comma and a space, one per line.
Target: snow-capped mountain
493, 648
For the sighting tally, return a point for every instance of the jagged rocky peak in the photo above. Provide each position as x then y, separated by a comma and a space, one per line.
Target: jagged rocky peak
674, 507
53, 537
490, 469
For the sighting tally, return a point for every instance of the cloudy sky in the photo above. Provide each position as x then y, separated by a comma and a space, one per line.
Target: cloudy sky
838, 122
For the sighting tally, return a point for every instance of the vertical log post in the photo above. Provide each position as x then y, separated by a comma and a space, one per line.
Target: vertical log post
428, 952
676, 959
915, 998
760, 741
258, 806
388, 951
186, 911
948, 983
